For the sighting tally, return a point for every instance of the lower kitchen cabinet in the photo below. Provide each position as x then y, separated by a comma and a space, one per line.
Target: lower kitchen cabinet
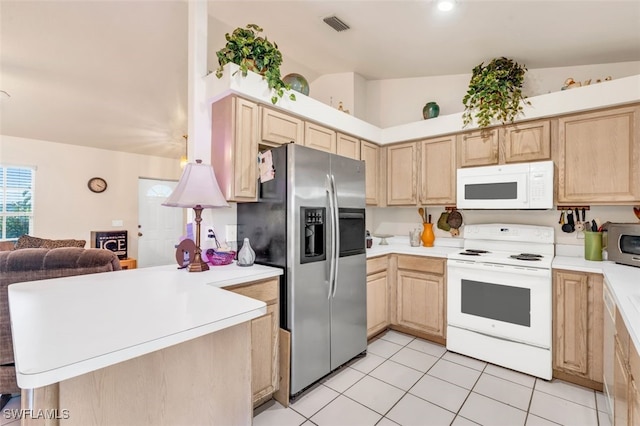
578, 315
264, 339
377, 295
421, 296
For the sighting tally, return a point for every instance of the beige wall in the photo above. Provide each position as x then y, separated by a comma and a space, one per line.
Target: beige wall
64, 206
398, 101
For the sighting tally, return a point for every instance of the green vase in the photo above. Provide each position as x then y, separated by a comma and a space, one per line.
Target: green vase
430, 110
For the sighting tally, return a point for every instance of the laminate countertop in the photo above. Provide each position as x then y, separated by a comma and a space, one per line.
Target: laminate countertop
66, 327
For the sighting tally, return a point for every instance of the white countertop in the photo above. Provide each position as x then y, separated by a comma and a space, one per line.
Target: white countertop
400, 245
65, 327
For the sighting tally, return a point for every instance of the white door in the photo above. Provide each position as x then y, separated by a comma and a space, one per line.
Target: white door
159, 227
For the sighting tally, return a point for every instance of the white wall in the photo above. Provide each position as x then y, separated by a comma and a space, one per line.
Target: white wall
64, 206
399, 220
332, 89
400, 101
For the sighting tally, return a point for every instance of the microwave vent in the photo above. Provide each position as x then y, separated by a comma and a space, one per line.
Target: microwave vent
335, 23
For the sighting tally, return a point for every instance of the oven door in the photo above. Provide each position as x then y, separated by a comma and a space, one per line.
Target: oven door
506, 302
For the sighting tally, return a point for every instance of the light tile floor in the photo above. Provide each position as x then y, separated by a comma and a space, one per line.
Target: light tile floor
412, 382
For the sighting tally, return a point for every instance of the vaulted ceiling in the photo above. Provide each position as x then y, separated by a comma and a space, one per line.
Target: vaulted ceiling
113, 74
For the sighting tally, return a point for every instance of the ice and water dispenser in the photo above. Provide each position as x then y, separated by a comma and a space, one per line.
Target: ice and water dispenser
312, 233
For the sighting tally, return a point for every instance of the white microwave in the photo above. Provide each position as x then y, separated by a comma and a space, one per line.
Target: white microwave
508, 186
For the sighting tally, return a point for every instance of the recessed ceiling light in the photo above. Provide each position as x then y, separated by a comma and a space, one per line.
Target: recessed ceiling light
445, 5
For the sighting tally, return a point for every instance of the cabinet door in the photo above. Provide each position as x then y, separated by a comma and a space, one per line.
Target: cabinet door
348, 146
634, 387
264, 354
370, 154
401, 174
599, 157
420, 302
621, 391
319, 137
265, 370
234, 147
526, 142
578, 324
278, 128
377, 303
478, 148
438, 171
571, 294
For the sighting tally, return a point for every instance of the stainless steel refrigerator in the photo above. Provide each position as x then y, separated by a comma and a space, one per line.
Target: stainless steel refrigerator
310, 221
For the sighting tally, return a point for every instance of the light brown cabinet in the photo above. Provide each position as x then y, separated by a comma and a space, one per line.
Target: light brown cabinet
348, 146
377, 295
264, 338
278, 128
578, 318
624, 379
478, 148
438, 171
370, 154
319, 137
402, 176
598, 157
234, 147
513, 143
421, 296
529, 141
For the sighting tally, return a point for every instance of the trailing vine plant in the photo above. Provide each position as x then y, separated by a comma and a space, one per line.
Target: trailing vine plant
246, 48
495, 93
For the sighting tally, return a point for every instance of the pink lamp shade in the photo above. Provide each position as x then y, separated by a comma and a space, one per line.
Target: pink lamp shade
197, 187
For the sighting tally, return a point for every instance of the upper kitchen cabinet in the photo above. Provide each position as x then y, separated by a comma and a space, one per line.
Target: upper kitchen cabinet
478, 148
348, 146
319, 137
514, 143
370, 154
598, 157
235, 134
523, 142
279, 128
402, 174
438, 171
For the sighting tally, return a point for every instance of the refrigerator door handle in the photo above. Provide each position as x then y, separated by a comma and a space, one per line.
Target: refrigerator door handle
336, 236
332, 264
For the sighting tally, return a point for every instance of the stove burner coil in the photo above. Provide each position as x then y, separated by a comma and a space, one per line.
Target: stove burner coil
476, 251
526, 256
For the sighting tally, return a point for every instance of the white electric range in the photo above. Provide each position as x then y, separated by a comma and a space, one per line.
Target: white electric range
499, 296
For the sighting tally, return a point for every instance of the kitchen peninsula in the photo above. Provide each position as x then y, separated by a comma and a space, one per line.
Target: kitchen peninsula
144, 346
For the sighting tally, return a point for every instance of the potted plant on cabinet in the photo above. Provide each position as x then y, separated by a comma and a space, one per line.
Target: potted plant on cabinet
252, 52
495, 92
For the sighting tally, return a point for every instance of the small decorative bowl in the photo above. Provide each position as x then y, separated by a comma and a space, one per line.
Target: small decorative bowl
217, 258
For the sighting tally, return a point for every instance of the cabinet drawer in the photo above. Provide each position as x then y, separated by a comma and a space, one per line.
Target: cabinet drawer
265, 291
424, 264
376, 264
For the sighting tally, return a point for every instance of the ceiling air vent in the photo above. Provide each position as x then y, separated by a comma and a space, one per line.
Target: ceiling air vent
335, 23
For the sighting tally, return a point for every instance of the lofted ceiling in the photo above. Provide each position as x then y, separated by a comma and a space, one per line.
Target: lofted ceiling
113, 74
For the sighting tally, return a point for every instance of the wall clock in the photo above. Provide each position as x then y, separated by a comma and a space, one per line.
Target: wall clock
97, 184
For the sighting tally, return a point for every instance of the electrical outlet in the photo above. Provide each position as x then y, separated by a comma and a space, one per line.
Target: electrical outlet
580, 235
231, 232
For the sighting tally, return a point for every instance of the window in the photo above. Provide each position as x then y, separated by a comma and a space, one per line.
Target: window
16, 203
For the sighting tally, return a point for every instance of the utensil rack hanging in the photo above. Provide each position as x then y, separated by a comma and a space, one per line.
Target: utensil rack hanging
587, 208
